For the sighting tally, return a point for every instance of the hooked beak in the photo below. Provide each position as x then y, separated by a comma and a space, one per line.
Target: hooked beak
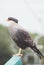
7, 20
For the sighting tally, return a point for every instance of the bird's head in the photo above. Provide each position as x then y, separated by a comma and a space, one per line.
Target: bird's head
12, 19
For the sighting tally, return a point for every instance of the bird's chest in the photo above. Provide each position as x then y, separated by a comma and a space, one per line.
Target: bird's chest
12, 31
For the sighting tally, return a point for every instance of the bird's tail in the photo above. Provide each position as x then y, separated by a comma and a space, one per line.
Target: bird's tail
38, 52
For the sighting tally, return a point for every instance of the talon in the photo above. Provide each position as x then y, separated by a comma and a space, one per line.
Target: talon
19, 54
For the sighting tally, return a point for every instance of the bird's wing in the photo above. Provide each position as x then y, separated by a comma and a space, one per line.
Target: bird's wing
24, 40
24, 35
29, 42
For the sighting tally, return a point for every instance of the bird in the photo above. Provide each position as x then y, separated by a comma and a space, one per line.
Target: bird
21, 37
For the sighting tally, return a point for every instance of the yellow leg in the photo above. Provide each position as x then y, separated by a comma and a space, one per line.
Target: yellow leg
20, 50
19, 53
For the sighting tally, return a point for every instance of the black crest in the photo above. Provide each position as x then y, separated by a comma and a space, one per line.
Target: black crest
13, 19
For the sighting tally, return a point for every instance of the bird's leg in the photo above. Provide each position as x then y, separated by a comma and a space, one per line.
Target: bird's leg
19, 53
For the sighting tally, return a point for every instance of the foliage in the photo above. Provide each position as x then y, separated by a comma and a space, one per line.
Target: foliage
5, 51
41, 41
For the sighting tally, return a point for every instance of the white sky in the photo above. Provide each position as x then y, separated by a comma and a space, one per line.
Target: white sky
30, 13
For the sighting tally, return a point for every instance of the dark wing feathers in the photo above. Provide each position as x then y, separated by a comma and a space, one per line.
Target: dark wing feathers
26, 37
24, 40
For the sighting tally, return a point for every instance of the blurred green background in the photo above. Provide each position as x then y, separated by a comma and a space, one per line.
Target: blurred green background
8, 48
